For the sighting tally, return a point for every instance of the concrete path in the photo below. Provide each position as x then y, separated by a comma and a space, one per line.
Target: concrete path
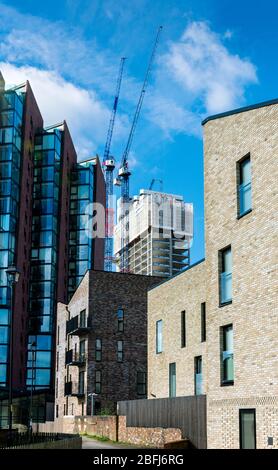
89, 443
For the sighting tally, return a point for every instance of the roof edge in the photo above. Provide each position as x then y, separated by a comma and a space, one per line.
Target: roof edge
164, 280
240, 110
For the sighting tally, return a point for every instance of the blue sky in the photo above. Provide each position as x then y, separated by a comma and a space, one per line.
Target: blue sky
213, 56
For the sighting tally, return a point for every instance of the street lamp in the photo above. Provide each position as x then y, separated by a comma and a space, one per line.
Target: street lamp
12, 277
33, 352
92, 395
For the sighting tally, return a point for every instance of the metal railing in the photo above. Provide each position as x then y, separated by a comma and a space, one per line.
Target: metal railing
75, 358
23, 439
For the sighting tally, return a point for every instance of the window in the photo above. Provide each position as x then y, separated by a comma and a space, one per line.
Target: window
244, 190
198, 376
98, 381
83, 319
159, 345
81, 383
225, 278
227, 350
247, 429
57, 411
141, 383
82, 349
98, 349
120, 318
172, 380
183, 330
203, 323
120, 351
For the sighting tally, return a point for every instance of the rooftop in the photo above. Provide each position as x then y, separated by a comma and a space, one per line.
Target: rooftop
240, 110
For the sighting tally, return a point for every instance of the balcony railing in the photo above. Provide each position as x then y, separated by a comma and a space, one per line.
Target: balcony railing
76, 326
74, 389
74, 358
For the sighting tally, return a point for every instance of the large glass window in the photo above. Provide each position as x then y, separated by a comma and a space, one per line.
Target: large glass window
244, 186
198, 375
227, 355
159, 339
225, 280
247, 428
172, 380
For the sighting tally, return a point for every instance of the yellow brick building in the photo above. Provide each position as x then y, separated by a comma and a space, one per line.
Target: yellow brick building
214, 328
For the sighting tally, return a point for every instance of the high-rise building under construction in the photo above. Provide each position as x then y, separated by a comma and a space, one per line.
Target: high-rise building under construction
159, 235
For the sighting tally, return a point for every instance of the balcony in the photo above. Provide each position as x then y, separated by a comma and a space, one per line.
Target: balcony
75, 358
78, 326
74, 389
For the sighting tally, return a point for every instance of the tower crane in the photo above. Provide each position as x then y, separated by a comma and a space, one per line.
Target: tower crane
109, 166
124, 173
156, 181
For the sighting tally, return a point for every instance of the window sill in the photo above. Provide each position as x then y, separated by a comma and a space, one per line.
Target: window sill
240, 216
225, 304
227, 384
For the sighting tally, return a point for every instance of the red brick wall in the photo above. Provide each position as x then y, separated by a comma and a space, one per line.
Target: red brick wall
23, 248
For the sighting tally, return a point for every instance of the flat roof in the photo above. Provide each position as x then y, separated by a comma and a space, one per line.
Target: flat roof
188, 268
240, 110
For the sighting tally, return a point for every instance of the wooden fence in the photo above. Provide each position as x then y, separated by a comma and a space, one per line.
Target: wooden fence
186, 413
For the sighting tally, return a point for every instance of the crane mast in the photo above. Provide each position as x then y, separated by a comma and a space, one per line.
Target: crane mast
124, 172
109, 166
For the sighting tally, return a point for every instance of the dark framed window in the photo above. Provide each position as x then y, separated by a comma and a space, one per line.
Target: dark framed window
141, 383
225, 276
82, 319
159, 339
227, 355
82, 350
120, 351
98, 382
247, 428
98, 350
172, 380
198, 379
120, 320
57, 411
244, 186
81, 383
203, 323
183, 329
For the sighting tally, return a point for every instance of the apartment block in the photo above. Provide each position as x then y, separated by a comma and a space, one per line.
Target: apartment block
212, 329
39, 237
159, 236
102, 344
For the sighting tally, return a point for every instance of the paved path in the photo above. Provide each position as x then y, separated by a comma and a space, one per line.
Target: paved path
89, 443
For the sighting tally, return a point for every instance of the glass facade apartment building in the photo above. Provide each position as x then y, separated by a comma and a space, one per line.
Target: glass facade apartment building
44, 195
11, 116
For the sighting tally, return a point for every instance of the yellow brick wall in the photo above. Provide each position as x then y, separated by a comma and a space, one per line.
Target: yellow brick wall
254, 310
166, 302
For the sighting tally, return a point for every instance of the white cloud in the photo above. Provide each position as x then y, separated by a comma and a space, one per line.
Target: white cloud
196, 76
172, 117
59, 99
206, 71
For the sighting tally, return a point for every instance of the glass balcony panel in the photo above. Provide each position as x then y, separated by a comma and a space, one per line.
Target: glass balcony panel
199, 384
226, 287
245, 198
